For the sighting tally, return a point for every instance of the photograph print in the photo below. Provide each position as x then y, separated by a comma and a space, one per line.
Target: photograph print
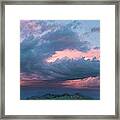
59, 60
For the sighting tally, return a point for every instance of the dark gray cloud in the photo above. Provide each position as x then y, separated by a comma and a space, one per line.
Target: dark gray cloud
65, 38
35, 50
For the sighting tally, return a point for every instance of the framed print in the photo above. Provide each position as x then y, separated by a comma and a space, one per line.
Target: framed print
60, 60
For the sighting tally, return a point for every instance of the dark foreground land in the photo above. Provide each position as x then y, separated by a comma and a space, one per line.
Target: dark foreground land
65, 96
31, 93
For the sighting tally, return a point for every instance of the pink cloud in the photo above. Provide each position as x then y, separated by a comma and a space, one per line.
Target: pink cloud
30, 80
90, 82
30, 25
74, 54
34, 80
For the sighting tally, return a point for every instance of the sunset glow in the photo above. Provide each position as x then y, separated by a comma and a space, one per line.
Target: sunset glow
90, 82
74, 54
82, 83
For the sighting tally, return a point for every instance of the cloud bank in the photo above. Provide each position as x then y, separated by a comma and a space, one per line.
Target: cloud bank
60, 49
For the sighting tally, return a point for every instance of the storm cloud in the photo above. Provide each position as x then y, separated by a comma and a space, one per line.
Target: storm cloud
41, 39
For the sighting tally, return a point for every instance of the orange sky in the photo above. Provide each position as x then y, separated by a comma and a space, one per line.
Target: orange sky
74, 54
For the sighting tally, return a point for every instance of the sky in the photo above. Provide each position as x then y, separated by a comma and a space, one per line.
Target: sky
66, 51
